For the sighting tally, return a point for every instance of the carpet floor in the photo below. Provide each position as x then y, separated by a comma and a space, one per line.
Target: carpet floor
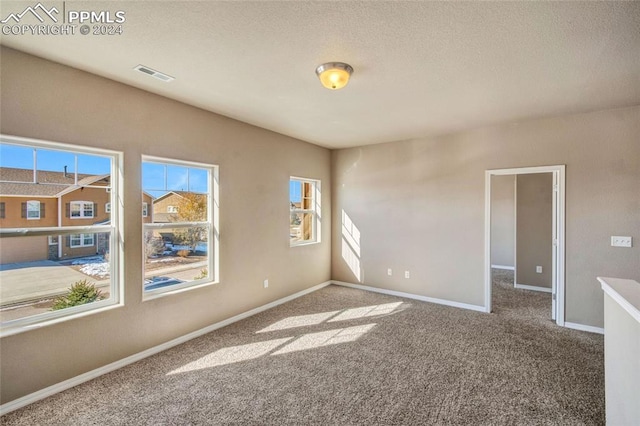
341, 356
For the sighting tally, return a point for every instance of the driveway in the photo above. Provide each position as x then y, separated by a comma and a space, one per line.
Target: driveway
29, 281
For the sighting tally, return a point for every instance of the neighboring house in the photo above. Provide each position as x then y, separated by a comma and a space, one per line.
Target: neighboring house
165, 207
55, 199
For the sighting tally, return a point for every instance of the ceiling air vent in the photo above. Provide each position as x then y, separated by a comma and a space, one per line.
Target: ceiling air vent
154, 73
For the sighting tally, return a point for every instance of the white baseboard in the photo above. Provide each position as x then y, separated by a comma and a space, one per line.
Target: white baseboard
533, 288
582, 327
509, 268
412, 296
90, 375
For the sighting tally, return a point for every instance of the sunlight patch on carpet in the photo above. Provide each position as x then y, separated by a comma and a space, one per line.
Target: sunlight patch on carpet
232, 355
325, 338
299, 321
366, 311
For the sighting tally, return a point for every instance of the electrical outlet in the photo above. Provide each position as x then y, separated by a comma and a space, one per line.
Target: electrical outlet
389, 272
539, 269
407, 274
265, 283
617, 241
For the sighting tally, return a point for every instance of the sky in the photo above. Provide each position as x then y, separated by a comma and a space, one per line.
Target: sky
157, 178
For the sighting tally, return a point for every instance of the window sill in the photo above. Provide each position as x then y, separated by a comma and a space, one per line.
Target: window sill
21, 328
146, 296
310, 243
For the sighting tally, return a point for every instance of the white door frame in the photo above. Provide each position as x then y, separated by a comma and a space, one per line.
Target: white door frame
558, 261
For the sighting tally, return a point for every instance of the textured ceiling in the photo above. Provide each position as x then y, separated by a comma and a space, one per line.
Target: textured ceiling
421, 68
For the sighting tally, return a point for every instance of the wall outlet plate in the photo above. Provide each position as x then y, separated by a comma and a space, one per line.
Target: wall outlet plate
539, 269
265, 283
407, 274
618, 241
389, 272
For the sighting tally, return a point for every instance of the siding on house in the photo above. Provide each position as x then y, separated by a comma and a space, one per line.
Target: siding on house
98, 196
55, 192
25, 249
13, 217
146, 198
161, 205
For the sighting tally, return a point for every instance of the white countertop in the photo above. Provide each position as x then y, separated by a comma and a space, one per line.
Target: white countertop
625, 292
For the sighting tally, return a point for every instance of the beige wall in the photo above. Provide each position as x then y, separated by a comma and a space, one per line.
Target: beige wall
44, 100
503, 220
534, 229
419, 205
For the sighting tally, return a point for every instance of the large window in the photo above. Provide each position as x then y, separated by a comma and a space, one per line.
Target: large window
52, 268
304, 211
181, 243
81, 209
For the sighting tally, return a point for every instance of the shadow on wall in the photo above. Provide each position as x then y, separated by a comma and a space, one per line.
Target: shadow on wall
351, 245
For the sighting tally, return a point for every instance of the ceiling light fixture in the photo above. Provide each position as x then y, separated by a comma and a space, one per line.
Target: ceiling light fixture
334, 75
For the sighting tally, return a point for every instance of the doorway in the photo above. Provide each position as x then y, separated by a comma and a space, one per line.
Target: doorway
557, 290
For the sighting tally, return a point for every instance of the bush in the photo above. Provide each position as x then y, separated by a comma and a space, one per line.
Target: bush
153, 246
204, 273
81, 292
183, 253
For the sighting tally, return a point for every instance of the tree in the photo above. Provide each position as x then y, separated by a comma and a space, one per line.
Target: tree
81, 292
153, 246
191, 208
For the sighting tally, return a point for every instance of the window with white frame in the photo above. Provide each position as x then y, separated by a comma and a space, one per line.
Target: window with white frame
81, 240
304, 211
185, 242
33, 209
81, 209
107, 208
41, 167
145, 209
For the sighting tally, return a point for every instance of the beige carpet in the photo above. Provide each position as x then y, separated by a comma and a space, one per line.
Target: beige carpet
342, 356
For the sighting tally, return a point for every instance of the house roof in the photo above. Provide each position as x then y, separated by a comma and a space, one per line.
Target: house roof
19, 182
180, 194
